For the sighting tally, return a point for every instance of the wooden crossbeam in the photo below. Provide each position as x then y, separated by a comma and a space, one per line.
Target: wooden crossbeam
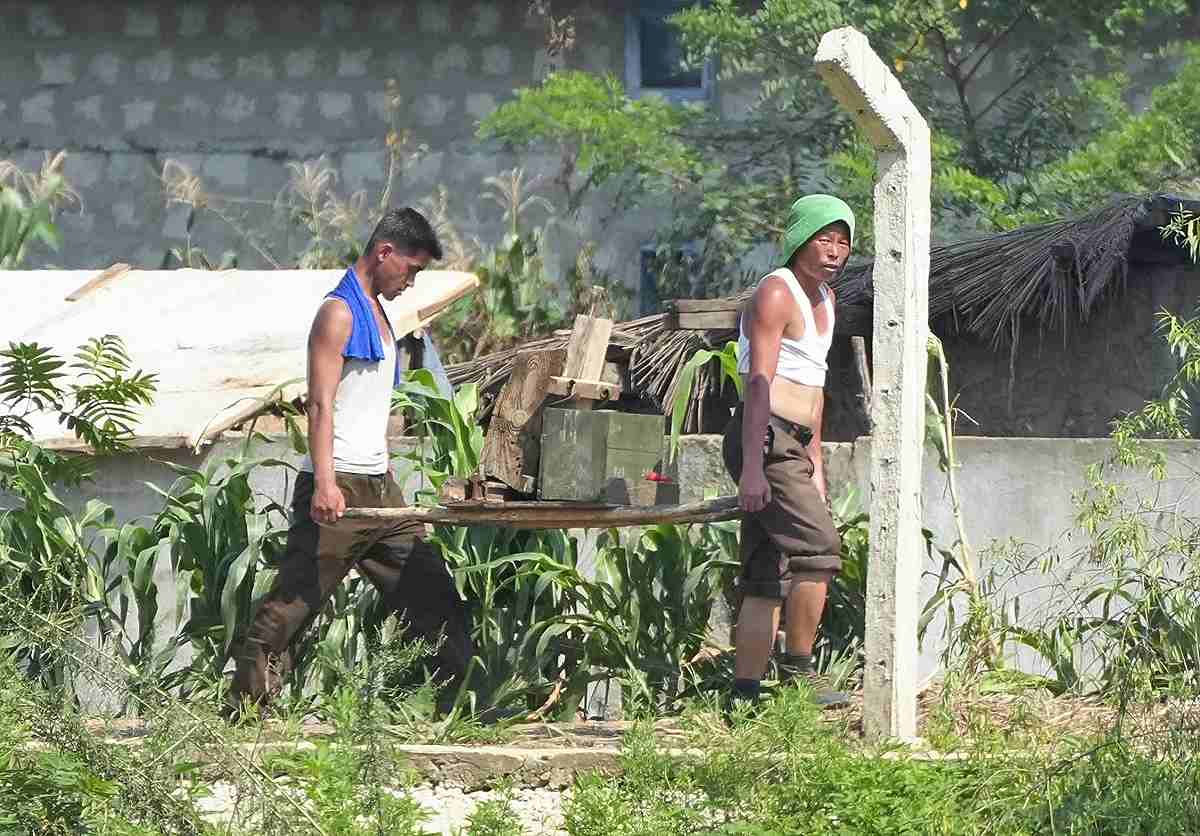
592, 390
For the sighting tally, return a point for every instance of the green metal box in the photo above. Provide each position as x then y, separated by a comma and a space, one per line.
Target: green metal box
602, 456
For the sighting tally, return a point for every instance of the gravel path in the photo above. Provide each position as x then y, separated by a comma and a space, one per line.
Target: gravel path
540, 810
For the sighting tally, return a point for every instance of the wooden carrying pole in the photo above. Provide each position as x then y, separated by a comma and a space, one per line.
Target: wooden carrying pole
544, 515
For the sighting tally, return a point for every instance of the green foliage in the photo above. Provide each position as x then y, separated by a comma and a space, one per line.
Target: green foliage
342, 802
494, 817
220, 542
95, 396
843, 623
518, 299
1047, 132
516, 302
782, 770
1131, 153
46, 549
50, 793
1184, 230
726, 359
21, 224
451, 439
599, 132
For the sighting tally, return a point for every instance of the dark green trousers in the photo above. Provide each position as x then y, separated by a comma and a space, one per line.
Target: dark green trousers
411, 577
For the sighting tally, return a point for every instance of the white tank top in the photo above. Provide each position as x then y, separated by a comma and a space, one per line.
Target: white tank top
361, 407
800, 361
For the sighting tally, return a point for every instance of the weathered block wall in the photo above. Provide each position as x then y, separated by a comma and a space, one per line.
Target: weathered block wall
1059, 385
238, 90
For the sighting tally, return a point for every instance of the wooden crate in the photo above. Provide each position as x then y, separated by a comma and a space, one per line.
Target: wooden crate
602, 456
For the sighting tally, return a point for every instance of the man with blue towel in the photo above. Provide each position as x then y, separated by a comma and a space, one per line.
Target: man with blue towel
352, 369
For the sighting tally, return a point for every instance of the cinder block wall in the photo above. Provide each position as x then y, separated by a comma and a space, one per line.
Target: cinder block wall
238, 90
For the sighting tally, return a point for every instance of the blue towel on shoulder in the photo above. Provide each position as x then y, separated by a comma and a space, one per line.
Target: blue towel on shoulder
365, 342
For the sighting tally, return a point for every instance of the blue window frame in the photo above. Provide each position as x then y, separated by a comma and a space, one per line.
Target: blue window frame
654, 54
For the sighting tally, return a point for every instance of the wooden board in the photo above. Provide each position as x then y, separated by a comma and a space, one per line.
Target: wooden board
431, 293
545, 515
587, 348
703, 305
511, 449
111, 274
858, 345
703, 321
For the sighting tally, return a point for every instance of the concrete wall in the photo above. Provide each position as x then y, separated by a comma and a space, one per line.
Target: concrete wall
1018, 498
239, 90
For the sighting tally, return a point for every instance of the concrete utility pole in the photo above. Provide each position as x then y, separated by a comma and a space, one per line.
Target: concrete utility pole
864, 86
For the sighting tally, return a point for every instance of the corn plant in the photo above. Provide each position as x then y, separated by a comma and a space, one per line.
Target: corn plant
451, 440
654, 590
545, 625
518, 585
220, 540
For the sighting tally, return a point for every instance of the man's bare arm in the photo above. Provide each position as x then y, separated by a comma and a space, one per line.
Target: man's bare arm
326, 341
768, 312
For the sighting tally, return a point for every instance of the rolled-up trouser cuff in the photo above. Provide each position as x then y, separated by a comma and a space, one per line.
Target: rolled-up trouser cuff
814, 563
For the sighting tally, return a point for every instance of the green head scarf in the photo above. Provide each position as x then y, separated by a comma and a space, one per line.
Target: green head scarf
808, 216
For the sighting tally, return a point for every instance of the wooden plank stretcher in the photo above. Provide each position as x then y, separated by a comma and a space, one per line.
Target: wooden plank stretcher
541, 515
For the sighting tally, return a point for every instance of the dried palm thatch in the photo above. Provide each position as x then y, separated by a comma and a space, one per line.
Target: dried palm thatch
1052, 274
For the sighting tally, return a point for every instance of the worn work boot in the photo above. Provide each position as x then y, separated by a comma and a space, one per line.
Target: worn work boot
795, 668
744, 694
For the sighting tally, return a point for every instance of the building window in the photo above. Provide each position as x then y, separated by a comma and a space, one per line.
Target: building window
654, 54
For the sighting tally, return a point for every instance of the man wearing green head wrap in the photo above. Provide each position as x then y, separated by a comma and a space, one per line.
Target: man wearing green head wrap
790, 549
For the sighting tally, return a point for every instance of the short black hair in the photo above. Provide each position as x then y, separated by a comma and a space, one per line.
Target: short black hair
407, 230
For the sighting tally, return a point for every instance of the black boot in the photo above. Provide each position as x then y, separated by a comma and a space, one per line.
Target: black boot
799, 668
745, 692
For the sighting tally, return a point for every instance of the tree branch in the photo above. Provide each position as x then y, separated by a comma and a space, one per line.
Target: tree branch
1020, 79
991, 44
953, 71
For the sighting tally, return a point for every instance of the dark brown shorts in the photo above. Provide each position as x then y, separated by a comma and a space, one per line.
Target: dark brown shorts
793, 538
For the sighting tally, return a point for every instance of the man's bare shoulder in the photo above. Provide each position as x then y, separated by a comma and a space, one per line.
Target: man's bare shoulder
773, 298
333, 322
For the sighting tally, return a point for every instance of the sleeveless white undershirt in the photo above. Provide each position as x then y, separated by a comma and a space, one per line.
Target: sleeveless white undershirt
361, 407
804, 360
